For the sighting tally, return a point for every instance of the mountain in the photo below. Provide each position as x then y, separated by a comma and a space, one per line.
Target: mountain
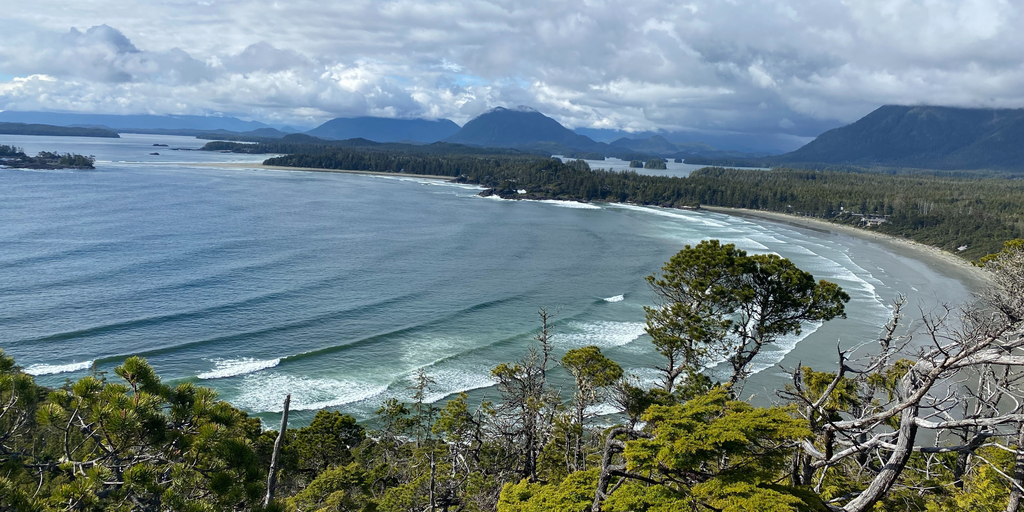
126, 123
382, 129
923, 137
521, 127
54, 131
655, 145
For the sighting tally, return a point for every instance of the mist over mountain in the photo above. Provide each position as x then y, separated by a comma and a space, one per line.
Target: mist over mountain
655, 145
129, 122
383, 129
922, 137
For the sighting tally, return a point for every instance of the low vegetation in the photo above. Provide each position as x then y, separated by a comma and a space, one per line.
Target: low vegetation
931, 423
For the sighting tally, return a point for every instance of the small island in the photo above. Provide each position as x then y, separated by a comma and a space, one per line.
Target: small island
14, 157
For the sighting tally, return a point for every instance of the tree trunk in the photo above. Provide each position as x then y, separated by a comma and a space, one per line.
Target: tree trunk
611, 447
272, 477
1016, 495
432, 468
893, 467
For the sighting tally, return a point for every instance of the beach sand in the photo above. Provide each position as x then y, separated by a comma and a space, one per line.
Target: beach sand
975, 277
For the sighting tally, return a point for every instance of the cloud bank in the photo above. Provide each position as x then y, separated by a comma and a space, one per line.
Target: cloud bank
785, 67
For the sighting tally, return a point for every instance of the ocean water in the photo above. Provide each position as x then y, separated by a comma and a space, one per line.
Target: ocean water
337, 288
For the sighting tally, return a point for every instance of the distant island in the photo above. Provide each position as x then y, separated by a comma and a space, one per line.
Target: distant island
13, 157
55, 131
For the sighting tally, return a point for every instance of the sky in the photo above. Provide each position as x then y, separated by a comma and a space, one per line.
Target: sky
781, 68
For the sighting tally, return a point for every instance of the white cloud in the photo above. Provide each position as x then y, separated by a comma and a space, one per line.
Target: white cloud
764, 66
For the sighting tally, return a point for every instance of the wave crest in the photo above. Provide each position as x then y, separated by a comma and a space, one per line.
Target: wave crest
53, 369
224, 368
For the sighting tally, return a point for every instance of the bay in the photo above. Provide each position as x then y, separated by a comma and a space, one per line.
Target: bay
337, 288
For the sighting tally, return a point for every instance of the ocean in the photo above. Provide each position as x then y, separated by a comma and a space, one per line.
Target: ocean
337, 288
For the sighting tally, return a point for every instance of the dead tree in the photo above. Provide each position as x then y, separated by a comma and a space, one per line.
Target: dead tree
961, 382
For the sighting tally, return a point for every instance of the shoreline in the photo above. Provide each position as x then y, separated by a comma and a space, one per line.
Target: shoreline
260, 165
927, 254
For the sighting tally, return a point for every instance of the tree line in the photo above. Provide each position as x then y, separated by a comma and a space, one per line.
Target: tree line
11, 156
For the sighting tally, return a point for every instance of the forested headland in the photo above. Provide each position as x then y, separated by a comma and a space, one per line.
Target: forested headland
926, 424
55, 131
965, 215
11, 156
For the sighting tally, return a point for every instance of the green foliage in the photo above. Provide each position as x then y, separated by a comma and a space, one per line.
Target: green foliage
722, 453
575, 493
1010, 246
327, 441
11, 151
638, 164
655, 163
101, 445
338, 489
16, 157
718, 302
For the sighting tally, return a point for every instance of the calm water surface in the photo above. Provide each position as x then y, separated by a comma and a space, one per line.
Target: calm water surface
336, 288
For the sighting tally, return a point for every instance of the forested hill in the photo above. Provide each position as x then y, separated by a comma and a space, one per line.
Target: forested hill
382, 129
54, 131
502, 127
924, 138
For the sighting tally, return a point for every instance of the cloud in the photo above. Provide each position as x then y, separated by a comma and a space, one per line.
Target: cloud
790, 67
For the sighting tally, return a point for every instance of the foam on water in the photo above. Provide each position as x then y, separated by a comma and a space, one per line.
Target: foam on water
774, 353
570, 204
224, 368
53, 369
602, 409
601, 334
265, 392
617, 298
665, 212
449, 381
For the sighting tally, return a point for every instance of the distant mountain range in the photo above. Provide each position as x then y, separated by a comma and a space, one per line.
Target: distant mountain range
382, 129
922, 137
124, 123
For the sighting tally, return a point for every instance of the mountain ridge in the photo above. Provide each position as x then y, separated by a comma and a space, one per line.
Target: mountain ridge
932, 137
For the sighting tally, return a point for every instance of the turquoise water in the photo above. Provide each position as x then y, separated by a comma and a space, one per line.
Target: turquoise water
336, 288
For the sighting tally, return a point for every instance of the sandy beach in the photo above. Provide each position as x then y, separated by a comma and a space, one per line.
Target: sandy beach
933, 256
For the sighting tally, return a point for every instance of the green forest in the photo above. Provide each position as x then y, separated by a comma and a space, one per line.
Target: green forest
55, 131
931, 425
945, 211
11, 156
